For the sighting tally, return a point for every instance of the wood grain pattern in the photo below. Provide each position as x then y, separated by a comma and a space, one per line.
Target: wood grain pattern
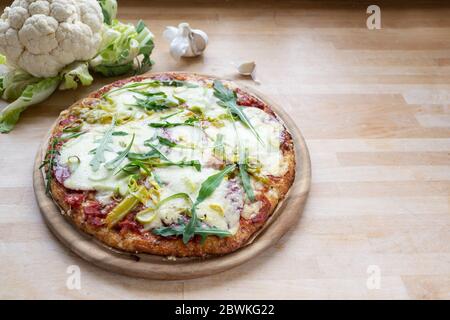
373, 106
148, 266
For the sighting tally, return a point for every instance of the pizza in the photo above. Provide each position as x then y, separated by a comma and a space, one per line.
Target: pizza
170, 164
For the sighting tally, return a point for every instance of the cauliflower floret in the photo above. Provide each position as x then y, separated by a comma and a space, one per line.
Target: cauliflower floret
43, 36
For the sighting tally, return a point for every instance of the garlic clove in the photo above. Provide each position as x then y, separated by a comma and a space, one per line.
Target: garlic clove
184, 41
170, 33
179, 47
246, 68
199, 41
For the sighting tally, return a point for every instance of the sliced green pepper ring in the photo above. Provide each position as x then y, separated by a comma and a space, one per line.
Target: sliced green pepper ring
146, 215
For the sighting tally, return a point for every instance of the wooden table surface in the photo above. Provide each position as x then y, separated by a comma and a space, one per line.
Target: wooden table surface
373, 106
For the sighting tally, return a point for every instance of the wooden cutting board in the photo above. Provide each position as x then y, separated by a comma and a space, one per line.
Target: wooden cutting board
157, 267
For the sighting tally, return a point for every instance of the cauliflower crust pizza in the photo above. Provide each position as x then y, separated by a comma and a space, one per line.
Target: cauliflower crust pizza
170, 164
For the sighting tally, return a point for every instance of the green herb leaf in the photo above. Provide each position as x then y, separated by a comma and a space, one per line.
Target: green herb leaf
120, 133
178, 83
99, 152
166, 142
205, 231
71, 136
171, 115
190, 163
246, 181
154, 101
171, 231
157, 151
153, 159
152, 84
207, 188
114, 163
227, 99
134, 167
193, 227
150, 94
179, 229
189, 122
150, 104
243, 173
211, 183
142, 156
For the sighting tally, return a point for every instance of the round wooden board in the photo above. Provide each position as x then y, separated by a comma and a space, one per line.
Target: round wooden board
156, 267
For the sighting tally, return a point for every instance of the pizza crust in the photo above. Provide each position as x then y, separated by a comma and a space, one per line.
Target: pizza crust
147, 242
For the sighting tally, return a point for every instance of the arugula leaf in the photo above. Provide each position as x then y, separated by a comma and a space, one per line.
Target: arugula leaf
243, 173
114, 163
189, 122
120, 133
190, 163
177, 83
134, 167
153, 159
228, 99
212, 182
175, 230
157, 151
166, 142
154, 101
71, 136
207, 188
150, 94
243, 168
152, 84
131, 86
99, 152
171, 115
142, 156
150, 104
179, 229
193, 227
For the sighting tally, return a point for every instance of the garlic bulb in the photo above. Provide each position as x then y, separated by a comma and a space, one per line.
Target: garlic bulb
184, 41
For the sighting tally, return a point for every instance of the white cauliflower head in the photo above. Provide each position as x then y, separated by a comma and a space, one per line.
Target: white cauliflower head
43, 36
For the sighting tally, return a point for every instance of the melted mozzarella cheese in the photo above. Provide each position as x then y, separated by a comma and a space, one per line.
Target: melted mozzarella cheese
83, 177
225, 206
